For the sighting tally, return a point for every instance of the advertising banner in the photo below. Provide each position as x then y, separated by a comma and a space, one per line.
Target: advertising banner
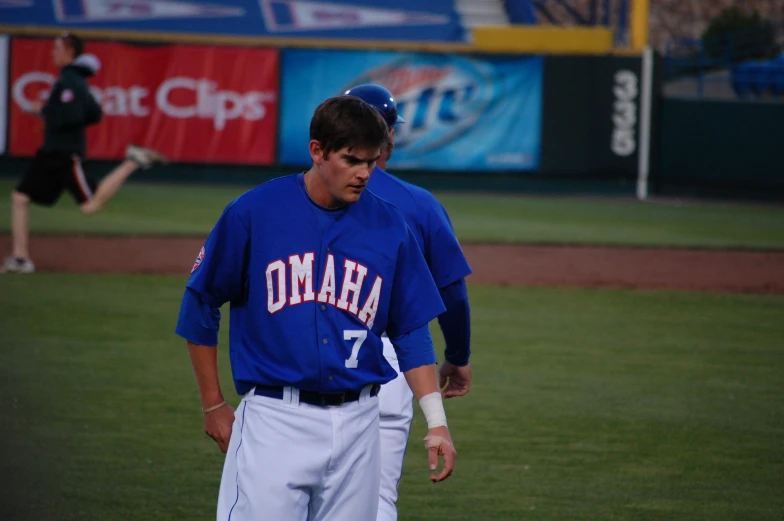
401, 20
461, 113
193, 103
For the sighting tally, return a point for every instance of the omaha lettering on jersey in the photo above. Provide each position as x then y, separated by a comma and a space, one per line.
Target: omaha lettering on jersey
299, 271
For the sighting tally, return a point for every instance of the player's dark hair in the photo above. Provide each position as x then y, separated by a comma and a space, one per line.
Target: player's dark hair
71, 41
347, 121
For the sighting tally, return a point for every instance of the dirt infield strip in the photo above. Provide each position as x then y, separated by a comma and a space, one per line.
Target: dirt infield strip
512, 265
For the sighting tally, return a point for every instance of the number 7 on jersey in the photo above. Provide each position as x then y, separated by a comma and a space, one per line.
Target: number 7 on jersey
359, 337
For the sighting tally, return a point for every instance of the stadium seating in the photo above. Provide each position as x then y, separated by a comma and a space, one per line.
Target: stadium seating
522, 12
759, 78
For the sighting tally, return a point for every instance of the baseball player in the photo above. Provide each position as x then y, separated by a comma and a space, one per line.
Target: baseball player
57, 165
433, 231
316, 270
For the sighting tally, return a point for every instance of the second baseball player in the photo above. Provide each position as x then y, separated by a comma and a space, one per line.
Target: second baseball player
430, 224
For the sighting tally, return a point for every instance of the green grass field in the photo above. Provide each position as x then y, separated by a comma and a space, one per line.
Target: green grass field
167, 210
587, 405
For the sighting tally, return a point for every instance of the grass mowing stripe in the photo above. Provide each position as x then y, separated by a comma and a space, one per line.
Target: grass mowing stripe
193, 210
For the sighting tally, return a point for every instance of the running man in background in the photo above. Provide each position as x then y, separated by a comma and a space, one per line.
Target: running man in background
57, 165
429, 222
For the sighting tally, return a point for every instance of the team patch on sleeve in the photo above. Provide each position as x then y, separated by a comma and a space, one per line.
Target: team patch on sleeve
66, 96
198, 260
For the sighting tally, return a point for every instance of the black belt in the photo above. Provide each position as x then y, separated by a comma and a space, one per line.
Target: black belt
314, 398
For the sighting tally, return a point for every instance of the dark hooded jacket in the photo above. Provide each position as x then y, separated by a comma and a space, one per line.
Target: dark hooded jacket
70, 109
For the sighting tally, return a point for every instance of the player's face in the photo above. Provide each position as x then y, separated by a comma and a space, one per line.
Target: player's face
346, 172
61, 55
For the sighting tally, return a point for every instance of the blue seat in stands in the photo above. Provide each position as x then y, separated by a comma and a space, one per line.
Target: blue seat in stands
759, 78
777, 77
740, 80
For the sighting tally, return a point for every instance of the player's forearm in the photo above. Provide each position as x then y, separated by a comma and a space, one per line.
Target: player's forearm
205, 368
422, 380
455, 323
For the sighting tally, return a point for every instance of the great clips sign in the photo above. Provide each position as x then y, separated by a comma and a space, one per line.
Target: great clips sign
193, 103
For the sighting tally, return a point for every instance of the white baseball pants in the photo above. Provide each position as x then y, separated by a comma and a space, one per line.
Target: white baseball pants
297, 462
396, 413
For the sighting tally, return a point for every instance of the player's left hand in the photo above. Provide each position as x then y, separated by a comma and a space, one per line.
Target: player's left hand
438, 442
455, 381
218, 424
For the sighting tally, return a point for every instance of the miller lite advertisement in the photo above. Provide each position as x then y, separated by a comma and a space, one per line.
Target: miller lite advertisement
461, 113
193, 103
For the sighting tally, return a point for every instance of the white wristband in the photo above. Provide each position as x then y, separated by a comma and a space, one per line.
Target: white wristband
433, 409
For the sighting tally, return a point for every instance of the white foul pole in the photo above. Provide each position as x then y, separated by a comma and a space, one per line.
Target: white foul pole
644, 149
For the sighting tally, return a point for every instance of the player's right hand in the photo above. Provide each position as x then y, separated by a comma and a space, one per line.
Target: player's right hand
217, 425
438, 442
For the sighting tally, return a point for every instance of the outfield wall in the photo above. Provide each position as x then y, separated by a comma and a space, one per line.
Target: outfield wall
729, 148
489, 122
475, 121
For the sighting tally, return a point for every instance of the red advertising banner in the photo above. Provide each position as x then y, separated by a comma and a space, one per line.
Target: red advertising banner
192, 103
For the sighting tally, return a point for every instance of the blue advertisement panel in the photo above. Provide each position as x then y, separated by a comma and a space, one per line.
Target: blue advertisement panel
461, 113
407, 20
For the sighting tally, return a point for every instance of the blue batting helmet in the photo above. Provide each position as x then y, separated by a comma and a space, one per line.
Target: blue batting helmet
380, 98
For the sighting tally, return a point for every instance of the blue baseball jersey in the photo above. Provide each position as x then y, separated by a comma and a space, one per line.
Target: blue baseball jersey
312, 290
430, 224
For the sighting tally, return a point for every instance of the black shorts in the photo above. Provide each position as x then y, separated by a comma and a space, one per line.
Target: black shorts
52, 172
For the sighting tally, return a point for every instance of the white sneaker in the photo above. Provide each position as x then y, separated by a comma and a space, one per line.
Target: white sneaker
14, 265
144, 157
